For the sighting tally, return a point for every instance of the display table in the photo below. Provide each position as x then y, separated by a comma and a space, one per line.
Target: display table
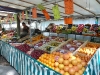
93, 67
25, 65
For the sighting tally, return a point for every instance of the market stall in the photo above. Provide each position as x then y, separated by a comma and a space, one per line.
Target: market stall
23, 63
27, 65
54, 53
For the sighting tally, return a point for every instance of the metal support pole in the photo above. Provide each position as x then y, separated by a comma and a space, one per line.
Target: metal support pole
30, 27
75, 36
18, 25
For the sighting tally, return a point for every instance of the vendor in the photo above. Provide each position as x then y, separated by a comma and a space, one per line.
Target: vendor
25, 30
0, 30
51, 25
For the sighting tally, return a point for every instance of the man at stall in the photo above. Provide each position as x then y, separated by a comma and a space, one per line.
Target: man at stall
50, 27
25, 30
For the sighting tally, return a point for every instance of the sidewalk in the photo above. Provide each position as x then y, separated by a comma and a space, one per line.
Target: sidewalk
5, 68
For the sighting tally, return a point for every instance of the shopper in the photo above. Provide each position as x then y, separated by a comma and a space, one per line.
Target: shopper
25, 30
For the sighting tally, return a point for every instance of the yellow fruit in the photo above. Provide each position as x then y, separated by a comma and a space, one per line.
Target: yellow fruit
56, 64
61, 66
66, 73
57, 69
60, 60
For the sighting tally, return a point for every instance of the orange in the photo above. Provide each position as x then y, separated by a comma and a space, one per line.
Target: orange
52, 60
57, 53
46, 62
66, 73
56, 64
52, 64
60, 60
49, 63
61, 66
61, 55
70, 65
57, 69
53, 52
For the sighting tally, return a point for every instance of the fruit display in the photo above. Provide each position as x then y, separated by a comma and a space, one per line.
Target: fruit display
37, 53
60, 39
70, 46
54, 43
93, 45
86, 53
75, 42
5, 37
39, 44
47, 48
23, 47
47, 59
44, 41
66, 64
51, 38
68, 31
74, 28
34, 39
57, 54
87, 50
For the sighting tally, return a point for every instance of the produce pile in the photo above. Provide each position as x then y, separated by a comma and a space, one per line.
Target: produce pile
40, 43
93, 45
70, 46
7, 36
54, 44
37, 53
47, 48
34, 39
51, 37
44, 41
86, 53
24, 48
62, 59
50, 46
72, 29
60, 39
66, 64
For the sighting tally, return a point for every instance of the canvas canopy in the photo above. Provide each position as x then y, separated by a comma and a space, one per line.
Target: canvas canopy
82, 8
